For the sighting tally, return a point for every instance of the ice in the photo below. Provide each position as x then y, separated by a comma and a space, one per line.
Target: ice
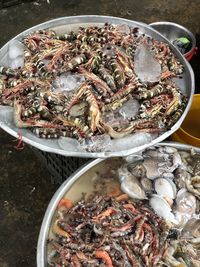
97, 143
15, 54
15, 49
114, 119
130, 109
69, 144
121, 116
67, 82
128, 142
6, 115
17, 62
147, 68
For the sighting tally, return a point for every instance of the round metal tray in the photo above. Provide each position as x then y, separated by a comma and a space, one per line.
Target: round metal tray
65, 24
72, 187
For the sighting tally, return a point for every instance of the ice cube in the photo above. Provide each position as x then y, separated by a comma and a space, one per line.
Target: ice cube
131, 141
17, 62
147, 68
130, 109
69, 144
97, 143
15, 49
68, 82
114, 119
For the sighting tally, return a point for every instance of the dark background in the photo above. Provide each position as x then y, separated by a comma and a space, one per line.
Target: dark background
26, 186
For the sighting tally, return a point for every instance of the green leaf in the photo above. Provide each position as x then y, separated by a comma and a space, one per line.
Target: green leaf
184, 40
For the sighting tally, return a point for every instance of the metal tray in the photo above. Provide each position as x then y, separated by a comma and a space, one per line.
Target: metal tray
88, 169
65, 24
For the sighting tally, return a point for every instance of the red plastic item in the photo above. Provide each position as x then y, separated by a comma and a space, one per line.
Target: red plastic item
191, 53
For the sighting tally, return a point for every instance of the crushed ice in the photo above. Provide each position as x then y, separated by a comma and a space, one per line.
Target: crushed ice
114, 119
97, 143
132, 141
17, 62
147, 68
69, 144
67, 82
130, 109
16, 54
15, 49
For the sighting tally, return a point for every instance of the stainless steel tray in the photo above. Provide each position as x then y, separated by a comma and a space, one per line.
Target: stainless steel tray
65, 24
71, 186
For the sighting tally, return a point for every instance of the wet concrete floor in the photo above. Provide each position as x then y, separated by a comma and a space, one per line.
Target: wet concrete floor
25, 184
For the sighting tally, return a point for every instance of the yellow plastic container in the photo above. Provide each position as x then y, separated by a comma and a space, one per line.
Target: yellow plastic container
189, 132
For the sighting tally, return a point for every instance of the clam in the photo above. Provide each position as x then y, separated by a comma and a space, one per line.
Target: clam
177, 161
151, 167
162, 208
137, 169
154, 153
146, 184
131, 186
165, 187
181, 176
169, 201
123, 172
185, 202
168, 175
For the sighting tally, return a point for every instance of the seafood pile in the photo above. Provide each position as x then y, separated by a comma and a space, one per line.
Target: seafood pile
108, 231
149, 217
169, 181
104, 58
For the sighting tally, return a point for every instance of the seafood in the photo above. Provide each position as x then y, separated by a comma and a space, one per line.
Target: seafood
136, 221
165, 187
156, 164
173, 197
115, 235
174, 191
193, 185
8, 72
93, 111
107, 77
105, 57
176, 101
119, 75
131, 186
185, 202
156, 90
161, 207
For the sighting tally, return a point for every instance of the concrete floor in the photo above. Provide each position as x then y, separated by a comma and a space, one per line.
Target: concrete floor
25, 184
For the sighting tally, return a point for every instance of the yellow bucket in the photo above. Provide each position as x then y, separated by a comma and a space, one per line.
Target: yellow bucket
189, 132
